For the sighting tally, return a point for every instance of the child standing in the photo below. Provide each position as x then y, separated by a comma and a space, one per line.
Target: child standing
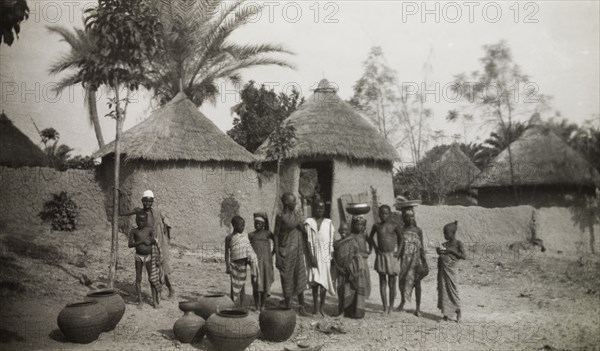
146, 254
449, 254
260, 240
387, 251
239, 254
320, 233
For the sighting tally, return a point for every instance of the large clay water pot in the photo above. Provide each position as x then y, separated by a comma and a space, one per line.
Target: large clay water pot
208, 304
82, 322
190, 327
112, 302
231, 330
278, 323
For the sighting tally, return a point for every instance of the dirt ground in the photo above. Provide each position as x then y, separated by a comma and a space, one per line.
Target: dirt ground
524, 300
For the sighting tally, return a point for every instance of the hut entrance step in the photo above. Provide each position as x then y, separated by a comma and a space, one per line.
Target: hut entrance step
316, 178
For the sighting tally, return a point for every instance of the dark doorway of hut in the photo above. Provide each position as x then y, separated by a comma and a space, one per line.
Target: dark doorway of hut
316, 179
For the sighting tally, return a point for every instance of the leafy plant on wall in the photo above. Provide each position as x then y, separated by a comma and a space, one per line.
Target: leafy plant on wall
61, 211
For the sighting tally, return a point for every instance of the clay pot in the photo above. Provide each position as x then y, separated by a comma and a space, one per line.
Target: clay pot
112, 302
231, 330
189, 327
208, 304
82, 322
277, 324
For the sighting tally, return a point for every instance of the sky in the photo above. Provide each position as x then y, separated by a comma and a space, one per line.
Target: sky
556, 43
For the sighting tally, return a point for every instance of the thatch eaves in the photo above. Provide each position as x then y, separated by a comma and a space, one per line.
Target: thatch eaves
178, 131
16, 149
540, 157
327, 126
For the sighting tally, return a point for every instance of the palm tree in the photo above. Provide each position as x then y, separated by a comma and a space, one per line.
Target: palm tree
197, 53
498, 141
82, 45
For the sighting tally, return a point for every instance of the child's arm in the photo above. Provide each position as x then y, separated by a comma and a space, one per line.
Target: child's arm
227, 265
131, 242
272, 237
400, 240
459, 252
276, 241
130, 212
422, 244
370, 239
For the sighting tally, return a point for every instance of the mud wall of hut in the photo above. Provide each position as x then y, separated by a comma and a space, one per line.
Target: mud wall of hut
360, 177
199, 198
25, 190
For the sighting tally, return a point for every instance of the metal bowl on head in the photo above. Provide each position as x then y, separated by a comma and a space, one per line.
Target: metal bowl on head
358, 208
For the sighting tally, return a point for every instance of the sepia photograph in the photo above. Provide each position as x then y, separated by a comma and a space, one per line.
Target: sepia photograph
302, 175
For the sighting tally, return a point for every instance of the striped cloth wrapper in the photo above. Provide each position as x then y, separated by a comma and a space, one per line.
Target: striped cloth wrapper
155, 268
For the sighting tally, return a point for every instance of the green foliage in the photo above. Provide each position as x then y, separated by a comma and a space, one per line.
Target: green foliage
61, 211
281, 141
49, 134
198, 52
81, 162
127, 34
376, 94
12, 13
259, 114
80, 55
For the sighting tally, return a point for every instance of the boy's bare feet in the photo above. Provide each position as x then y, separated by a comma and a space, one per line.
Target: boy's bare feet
302, 312
445, 319
171, 293
458, 316
417, 313
400, 307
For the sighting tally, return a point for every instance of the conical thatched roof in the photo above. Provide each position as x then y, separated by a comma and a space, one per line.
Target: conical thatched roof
540, 157
178, 131
16, 149
327, 126
456, 168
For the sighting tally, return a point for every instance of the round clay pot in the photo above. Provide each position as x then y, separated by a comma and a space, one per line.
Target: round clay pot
208, 304
189, 327
112, 302
231, 330
82, 322
278, 323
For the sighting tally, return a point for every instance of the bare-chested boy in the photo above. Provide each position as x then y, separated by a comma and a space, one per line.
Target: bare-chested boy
387, 250
142, 239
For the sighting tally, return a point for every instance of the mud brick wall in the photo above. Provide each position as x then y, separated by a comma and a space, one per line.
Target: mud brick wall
25, 190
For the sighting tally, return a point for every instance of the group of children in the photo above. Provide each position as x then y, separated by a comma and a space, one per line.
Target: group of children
309, 253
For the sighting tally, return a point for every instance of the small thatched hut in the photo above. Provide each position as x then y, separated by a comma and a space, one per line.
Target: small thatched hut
16, 149
456, 172
337, 152
546, 172
200, 176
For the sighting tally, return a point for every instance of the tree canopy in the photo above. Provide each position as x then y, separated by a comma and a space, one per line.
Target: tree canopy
260, 113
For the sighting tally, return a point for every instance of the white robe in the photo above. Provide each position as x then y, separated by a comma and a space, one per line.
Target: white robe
321, 245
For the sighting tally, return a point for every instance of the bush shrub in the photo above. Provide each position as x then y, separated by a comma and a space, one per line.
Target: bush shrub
61, 211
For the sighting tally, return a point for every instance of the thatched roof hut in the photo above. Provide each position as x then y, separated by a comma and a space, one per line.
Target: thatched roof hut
178, 131
347, 152
16, 149
457, 168
541, 160
200, 176
327, 126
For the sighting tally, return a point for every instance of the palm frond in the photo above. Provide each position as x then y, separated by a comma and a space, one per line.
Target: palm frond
244, 51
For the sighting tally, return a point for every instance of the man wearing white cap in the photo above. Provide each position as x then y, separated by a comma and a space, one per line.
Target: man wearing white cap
162, 230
